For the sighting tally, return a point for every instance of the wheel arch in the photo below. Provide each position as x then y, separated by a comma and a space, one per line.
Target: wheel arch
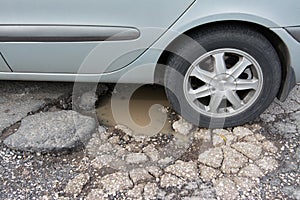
288, 78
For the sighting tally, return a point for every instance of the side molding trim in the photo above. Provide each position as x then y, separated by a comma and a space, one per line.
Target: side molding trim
65, 33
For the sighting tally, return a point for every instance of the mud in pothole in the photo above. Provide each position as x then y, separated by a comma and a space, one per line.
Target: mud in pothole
145, 110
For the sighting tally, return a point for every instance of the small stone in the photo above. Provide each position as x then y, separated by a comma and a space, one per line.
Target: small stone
87, 101
114, 140
184, 170
74, 186
269, 146
83, 165
222, 137
151, 152
136, 158
96, 194
169, 180
267, 117
113, 183
183, 127
208, 173
133, 148
166, 161
105, 148
233, 160
102, 130
226, 189
256, 127
120, 152
140, 175
260, 137
242, 132
126, 138
218, 141
250, 138
212, 157
93, 145
102, 161
226, 136
252, 151
136, 192
251, 171
150, 191
203, 134
267, 164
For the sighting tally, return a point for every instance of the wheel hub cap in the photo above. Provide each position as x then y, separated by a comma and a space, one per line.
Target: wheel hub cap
221, 83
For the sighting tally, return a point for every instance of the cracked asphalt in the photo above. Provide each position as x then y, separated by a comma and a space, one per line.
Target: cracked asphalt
260, 160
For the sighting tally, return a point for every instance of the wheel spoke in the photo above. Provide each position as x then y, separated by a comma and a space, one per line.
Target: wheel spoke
239, 67
224, 82
234, 99
243, 84
220, 66
201, 92
215, 102
201, 74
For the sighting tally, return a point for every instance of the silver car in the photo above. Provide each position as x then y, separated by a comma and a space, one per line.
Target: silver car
222, 62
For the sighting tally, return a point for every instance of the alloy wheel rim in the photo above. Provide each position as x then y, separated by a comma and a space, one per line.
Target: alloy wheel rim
223, 83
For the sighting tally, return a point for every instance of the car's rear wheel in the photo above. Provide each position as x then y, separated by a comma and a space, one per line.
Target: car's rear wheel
230, 80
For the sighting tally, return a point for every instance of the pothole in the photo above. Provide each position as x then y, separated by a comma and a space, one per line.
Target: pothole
139, 121
145, 111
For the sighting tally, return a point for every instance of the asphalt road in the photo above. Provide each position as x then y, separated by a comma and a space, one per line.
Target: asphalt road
260, 160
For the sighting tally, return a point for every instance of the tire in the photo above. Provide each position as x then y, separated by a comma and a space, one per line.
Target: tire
222, 77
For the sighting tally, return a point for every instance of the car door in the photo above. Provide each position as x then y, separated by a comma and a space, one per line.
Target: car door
54, 36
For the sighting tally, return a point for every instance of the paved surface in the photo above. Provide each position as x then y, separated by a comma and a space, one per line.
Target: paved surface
52, 131
255, 161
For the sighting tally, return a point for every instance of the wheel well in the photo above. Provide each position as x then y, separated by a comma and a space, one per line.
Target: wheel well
274, 39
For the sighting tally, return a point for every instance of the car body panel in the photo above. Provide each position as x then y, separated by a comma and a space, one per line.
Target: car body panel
74, 59
268, 13
3, 65
35, 57
294, 48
